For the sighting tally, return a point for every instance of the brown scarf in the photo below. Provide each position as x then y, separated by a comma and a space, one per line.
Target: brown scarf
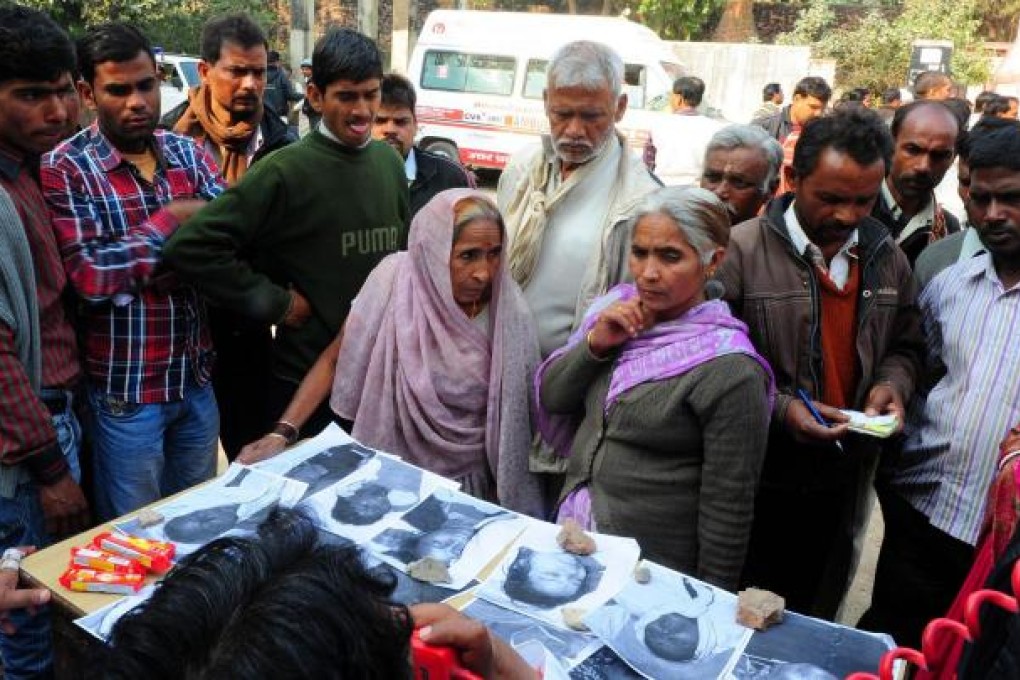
200, 123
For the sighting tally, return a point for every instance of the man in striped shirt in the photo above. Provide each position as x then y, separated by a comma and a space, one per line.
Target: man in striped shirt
39, 435
117, 190
933, 491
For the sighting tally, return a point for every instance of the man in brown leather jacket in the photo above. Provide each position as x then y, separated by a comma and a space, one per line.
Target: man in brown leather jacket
829, 301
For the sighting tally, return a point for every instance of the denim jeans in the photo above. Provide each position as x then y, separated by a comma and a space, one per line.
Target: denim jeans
144, 452
29, 652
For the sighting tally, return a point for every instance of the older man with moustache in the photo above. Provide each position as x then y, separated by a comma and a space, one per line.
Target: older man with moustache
227, 116
742, 166
925, 136
567, 200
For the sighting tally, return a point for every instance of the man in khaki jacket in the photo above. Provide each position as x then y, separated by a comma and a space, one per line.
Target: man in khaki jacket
829, 301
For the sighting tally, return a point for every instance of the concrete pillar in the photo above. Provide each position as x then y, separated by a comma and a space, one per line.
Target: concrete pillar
400, 50
302, 31
368, 18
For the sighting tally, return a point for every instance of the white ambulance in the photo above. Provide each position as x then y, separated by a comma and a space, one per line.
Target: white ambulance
480, 76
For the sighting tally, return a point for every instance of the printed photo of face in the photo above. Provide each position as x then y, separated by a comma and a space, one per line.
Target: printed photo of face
550, 579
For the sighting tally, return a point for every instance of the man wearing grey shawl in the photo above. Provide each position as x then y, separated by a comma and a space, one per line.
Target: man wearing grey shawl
566, 201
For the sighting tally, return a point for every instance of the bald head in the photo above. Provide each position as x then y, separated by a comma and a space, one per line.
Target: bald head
925, 135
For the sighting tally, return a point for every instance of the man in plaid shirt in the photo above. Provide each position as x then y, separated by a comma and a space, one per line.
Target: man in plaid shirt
117, 190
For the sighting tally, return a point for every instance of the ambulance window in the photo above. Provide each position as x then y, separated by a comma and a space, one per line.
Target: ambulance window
534, 78
477, 73
634, 85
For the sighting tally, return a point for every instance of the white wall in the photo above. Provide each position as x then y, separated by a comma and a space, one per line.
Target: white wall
735, 73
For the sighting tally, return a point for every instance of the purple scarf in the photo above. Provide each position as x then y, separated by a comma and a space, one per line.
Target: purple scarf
667, 350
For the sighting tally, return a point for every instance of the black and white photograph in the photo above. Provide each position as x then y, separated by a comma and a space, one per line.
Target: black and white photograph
328, 459
517, 630
803, 648
409, 591
673, 627
100, 623
462, 532
540, 579
604, 664
386, 488
231, 505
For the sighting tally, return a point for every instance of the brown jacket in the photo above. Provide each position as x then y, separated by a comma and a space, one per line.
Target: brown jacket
774, 290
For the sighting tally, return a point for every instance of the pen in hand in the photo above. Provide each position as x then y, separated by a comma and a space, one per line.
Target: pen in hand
806, 399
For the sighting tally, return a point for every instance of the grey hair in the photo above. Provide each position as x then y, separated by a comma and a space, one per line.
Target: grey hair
753, 137
471, 208
585, 64
698, 213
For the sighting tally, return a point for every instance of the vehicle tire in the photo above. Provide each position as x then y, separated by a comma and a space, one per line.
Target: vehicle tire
443, 148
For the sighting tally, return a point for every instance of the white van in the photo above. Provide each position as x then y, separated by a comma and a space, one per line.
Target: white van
480, 77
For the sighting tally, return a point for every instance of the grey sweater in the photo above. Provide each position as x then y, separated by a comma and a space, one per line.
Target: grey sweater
675, 464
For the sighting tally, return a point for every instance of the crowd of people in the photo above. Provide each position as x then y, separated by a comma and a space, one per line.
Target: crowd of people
669, 363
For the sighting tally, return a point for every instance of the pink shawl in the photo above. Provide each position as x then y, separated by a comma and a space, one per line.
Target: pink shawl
423, 381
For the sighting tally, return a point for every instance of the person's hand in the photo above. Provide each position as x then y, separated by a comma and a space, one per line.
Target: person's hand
260, 449
299, 311
802, 425
884, 400
64, 507
12, 598
479, 650
183, 208
617, 324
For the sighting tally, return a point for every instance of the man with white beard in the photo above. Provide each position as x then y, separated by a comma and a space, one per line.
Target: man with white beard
567, 200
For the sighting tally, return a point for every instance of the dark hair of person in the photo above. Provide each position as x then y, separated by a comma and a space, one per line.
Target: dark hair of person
856, 94
115, 41
928, 81
900, 117
663, 641
995, 143
770, 91
813, 86
238, 29
996, 107
345, 54
891, 95
518, 587
273, 57
33, 46
690, 88
398, 93
961, 109
281, 605
858, 133
982, 100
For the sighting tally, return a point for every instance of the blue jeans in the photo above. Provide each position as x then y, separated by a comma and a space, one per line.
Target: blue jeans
144, 452
29, 652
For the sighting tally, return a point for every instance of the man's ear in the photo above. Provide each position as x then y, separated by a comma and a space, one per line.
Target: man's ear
86, 93
203, 71
314, 95
621, 107
790, 175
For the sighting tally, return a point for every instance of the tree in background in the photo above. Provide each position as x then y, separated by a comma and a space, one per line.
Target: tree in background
174, 25
1000, 18
680, 19
875, 53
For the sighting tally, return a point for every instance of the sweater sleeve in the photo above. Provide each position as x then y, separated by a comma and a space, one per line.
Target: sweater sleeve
206, 250
731, 404
566, 382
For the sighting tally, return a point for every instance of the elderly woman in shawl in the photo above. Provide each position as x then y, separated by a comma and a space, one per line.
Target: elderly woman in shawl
660, 400
435, 359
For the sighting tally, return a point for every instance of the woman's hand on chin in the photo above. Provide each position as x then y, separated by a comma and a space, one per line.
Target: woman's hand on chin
617, 324
261, 449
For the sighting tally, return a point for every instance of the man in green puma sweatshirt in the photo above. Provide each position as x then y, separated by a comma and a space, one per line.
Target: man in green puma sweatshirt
293, 241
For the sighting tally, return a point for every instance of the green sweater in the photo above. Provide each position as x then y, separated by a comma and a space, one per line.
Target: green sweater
315, 216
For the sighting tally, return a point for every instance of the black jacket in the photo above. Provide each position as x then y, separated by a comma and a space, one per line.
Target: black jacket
279, 91
275, 133
916, 242
435, 174
777, 124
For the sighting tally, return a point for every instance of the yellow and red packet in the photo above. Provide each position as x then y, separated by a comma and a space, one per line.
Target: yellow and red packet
94, 581
156, 556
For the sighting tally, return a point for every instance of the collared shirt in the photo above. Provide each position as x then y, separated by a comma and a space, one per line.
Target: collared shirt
145, 335
410, 166
949, 457
839, 267
25, 425
922, 220
254, 144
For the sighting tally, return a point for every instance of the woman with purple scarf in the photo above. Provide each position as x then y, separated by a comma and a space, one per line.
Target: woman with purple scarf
435, 360
660, 400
